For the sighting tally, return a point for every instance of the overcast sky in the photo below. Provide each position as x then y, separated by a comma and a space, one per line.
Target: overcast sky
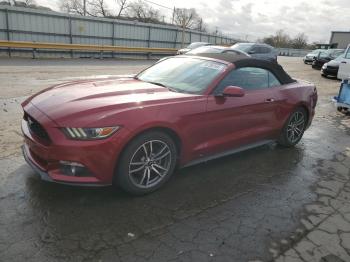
252, 19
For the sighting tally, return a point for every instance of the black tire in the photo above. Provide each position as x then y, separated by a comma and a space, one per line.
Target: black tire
127, 181
285, 137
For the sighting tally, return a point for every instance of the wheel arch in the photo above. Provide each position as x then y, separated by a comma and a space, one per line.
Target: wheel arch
306, 108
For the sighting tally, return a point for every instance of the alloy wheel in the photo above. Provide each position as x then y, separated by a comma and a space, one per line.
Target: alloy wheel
296, 127
150, 163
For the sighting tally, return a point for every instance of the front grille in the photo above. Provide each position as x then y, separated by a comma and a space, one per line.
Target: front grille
36, 129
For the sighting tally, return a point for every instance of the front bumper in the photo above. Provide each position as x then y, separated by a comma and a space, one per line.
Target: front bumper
45, 176
329, 72
98, 157
308, 59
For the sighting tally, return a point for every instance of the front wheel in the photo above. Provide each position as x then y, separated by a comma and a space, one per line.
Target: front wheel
293, 130
147, 163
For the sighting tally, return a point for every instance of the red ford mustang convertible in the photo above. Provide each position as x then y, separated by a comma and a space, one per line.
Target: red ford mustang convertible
134, 131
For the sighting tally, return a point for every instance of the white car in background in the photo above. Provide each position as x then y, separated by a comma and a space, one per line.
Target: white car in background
344, 66
258, 50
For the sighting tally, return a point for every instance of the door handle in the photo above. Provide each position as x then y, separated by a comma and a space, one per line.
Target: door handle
269, 100
343, 62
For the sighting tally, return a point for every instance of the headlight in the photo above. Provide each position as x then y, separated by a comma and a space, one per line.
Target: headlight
324, 66
89, 133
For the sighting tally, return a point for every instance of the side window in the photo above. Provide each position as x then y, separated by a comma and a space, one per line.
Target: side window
249, 78
323, 55
273, 81
255, 49
265, 50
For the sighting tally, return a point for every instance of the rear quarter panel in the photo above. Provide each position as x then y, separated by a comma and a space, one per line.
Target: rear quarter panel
298, 94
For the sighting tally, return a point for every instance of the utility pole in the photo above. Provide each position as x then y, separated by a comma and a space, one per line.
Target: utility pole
173, 16
84, 7
183, 33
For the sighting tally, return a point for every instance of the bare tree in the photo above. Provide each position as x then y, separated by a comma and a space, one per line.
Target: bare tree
72, 7
200, 25
122, 5
98, 8
186, 18
143, 12
281, 39
92, 7
300, 41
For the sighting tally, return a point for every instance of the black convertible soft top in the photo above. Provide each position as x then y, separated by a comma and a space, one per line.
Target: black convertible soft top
244, 61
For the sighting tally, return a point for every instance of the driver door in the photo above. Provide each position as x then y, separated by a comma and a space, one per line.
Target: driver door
237, 121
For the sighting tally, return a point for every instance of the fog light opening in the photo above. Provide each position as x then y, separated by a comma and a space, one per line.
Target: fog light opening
74, 169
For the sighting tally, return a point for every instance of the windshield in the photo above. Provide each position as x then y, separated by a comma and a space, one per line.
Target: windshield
335, 53
205, 49
323, 54
243, 47
316, 51
195, 45
339, 58
183, 74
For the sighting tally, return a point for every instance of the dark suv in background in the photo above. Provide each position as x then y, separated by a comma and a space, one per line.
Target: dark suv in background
331, 68
326, 56
257, 50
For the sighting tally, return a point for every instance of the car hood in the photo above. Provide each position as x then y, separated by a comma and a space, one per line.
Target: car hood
334, 63
311, 54
86, 101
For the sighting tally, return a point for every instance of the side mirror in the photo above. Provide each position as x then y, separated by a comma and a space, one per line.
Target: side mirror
233, 91
251, 52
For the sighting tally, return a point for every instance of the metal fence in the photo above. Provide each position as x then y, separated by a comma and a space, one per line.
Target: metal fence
23, 24
292, 52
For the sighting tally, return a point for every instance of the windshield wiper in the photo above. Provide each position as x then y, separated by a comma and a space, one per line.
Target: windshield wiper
158, 84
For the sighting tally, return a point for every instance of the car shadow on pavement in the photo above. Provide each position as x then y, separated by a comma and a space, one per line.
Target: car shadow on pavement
248, 185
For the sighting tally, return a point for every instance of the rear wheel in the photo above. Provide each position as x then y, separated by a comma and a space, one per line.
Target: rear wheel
146, 163
293, 130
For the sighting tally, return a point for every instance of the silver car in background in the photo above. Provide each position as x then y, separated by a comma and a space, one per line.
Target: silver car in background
258, 50
311, 56
215, 49
192, 46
